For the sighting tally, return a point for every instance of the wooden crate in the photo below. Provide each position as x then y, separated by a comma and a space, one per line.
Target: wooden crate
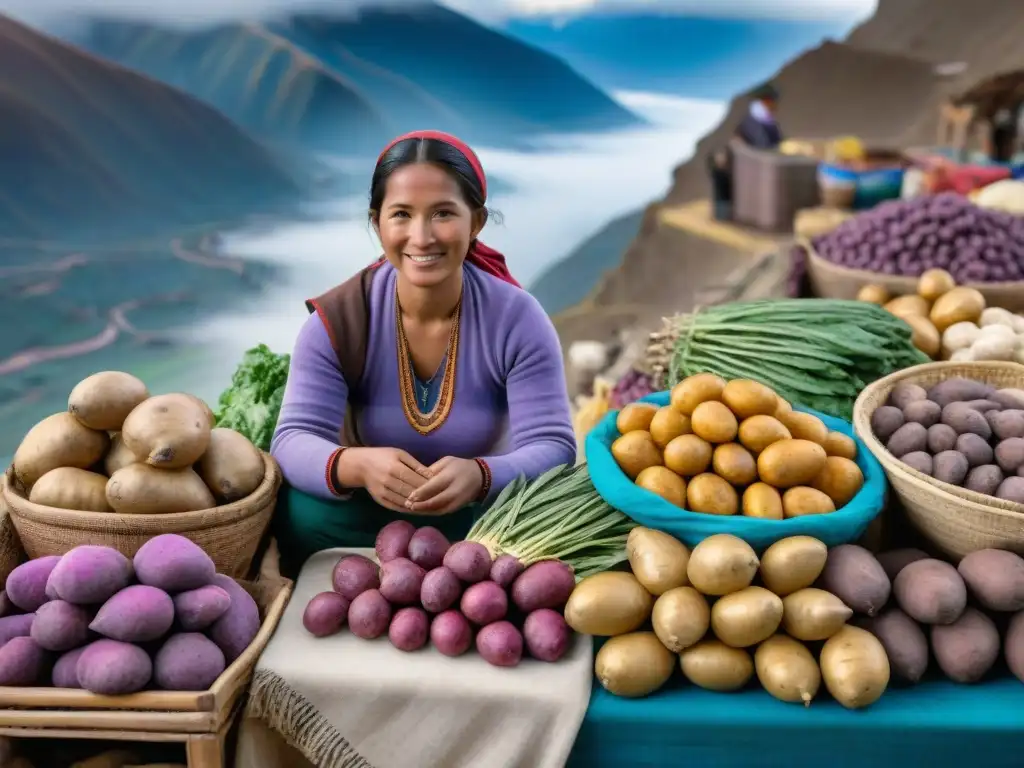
201, 719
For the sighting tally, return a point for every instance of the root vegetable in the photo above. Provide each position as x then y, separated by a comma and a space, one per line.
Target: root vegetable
173, 563
113, 668
854, 667
721, 564
505, 569
427, 547
369, 615
904, 641
853, 575
608, 604
895, 560
71, 488
813, 614
26, 584
64, 673
393, 540
996, 578
634, 452
118, 456
484, 603
715, 666
60, 626
353, 575
440, 590
931, 592
409, 629
657, 560
546, 584
966, 649
139, 489
635, 417
450, 633
22, 662
747, 617
546, 634
231, 466
789, 463
762, 501
694, 390
787, 670
680, 618
401, 581
167, 431
633, 665
188, 661
237, 628
104, 400
89, 575
197, 609
59, 440
325, 614
500, 644
792, 563
468, 560
19, 625
136, 614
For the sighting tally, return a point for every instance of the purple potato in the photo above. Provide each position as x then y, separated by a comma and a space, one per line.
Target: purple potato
353, 575
500, 644
484, 603
440, 590
427, 547
505, 569
468, 560
401, 581
393, 540
546, 584
369, 615
409, 629
546, 634
325, 614
451, 633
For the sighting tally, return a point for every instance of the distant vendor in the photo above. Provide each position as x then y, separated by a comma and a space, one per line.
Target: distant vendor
759, 128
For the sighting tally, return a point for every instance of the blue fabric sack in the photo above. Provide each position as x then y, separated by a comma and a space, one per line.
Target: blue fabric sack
650, 510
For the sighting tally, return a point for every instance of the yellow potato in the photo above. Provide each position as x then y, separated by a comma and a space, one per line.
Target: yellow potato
167, 431
840, 479
694, 390
758, 432
680, 618
59, 440
714, 666
667, 425
104, 400
801, 500
805, 426
635, 417
734, 464
714, 422
658, 561
688, 455
747, 617
792, 563
746, 398
838, 444
634, 452
634, 664
788, 463
712, 495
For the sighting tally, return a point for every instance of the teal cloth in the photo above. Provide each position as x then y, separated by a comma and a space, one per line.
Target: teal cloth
305, 524
648, 509
935, 724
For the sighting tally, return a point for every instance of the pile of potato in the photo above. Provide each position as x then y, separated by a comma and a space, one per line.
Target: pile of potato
117, 449
705, 610
963, 432
93, 619
726, 448
913, 603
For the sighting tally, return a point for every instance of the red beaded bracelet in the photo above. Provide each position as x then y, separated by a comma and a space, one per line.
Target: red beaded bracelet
331, 471
486, 472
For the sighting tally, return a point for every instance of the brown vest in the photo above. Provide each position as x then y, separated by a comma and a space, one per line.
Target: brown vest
345, 312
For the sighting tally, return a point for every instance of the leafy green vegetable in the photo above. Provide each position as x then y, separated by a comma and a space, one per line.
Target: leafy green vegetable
253, 401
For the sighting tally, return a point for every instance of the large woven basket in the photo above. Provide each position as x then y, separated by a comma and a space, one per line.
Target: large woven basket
831, 281
230, 534
956, 520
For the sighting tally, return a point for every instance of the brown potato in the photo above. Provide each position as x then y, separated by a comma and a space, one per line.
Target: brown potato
840, 479
788, 463
634, 452
141, 489
733, 463
763, 501
853, 575
895, 560
71, 488
930, 591
838, 444
714, 666
792, 563
924, 335
907, 439
941, 437
923, 412
667, 425
714, 422
995, 578
167, 431
966, 649
957, 306
964, 419
854, 667
665, 483
747, 617
688, 455
885, 421
104, 400
904, 641
805, 426
950, 467
984, 479
910, 304
712, 495
694, 390
232, 467
635, 417
874, 294
758, 432
746, 398
813, 614
905, 393
59, 440
801, 500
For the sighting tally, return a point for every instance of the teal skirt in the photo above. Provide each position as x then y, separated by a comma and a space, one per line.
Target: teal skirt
305, 524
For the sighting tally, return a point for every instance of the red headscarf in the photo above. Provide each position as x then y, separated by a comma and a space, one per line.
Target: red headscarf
480, 255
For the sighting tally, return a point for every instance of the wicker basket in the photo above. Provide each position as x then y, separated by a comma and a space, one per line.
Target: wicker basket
956, 520
830, 281
230, 534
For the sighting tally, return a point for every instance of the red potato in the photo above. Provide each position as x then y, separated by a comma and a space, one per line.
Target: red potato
369, 615
440, 590
353, 575
427, 547
505, 569
546, 634
484, 603
451, 633
546, 584
468, 560
400, 581
409, 629
500, 644
325, 614
393, 540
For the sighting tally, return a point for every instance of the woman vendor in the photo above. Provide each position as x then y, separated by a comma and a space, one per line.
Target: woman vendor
445, 375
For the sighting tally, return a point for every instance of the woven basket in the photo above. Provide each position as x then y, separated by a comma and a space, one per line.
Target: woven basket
956, 520
230, 534
830, 281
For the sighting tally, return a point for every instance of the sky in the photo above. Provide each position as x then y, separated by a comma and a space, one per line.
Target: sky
206, 11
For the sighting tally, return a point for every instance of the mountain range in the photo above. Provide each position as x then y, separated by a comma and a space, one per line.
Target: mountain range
347, 84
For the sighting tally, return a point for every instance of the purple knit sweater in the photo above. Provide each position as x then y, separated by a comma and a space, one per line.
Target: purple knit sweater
510, 408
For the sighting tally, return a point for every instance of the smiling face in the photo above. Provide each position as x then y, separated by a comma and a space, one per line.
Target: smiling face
425, 225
